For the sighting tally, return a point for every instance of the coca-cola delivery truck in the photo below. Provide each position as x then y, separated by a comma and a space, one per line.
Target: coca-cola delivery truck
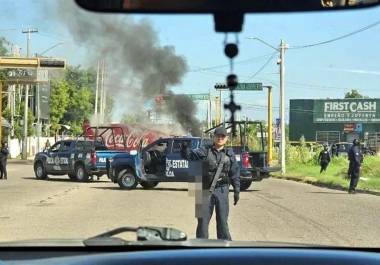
125, 137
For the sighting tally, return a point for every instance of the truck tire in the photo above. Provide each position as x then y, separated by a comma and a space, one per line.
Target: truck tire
39, 170
245, 184
149, 185
80, 173
126, 179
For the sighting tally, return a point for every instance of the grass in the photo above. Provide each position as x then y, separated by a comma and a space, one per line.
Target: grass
336, 174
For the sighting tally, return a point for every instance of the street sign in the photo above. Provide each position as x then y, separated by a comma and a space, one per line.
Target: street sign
199, 96
241, 86
249, 86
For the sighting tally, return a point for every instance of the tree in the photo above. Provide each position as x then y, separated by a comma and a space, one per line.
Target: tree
3, 49
72, 98
79, 109
19, 119
354, 94
3, 52
59, 100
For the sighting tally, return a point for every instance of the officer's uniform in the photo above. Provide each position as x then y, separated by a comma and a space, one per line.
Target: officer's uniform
356, 158
230, 174
334, 150
324, 159
3, 166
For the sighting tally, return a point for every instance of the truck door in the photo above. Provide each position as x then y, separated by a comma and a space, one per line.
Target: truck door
154, 157
52, 157
176, 166
64, 155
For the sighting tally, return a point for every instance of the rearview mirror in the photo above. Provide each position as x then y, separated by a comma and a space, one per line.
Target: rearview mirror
160, 233
220, 6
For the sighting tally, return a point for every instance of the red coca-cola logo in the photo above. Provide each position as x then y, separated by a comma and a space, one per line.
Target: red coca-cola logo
124, 137
132, 141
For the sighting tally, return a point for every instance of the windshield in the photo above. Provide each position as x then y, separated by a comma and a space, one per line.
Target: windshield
290, 175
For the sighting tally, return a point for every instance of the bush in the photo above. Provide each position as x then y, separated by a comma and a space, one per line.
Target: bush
301, 153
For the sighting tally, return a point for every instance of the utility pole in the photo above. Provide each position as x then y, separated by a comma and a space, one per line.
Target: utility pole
209, 117
101, 91
281, 62
28, 31
282, 105
24, 142
104, 93
97, 96
270, 118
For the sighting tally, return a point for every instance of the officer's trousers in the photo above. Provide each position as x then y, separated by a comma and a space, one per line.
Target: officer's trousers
324, 165
219, 201
3, 169
354, 174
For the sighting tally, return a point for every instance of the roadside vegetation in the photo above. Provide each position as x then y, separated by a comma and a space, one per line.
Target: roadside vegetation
302, 164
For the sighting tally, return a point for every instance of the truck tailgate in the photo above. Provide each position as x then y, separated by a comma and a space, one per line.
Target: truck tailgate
103, 155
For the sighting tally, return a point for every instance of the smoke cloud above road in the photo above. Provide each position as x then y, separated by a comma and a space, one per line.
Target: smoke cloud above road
138, 68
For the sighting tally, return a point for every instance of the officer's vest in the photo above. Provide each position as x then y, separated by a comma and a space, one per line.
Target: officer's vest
213, 166
324, 156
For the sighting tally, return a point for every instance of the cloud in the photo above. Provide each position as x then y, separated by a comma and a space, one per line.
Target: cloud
354, 71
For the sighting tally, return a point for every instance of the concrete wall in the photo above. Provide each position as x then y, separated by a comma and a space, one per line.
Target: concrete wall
15, 146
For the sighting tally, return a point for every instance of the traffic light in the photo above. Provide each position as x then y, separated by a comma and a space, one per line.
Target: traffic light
220, 86
51, 63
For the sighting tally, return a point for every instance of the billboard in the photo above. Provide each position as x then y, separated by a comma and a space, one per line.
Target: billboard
346, 111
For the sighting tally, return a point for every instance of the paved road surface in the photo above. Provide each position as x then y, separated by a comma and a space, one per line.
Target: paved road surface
273, 210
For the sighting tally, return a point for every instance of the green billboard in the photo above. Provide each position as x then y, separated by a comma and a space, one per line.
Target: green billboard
346, 111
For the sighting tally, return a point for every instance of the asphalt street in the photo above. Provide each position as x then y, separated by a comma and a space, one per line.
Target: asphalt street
272, 210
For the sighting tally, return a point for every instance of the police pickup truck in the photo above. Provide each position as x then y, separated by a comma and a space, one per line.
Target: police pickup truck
79, 159
161, 161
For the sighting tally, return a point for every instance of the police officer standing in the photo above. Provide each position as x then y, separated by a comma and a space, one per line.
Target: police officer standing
4, 157
356, 159
223, 170
334, 150
324, 158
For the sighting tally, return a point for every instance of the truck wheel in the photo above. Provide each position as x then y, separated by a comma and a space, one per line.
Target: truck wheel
149, 185
80, 173
245, 184
126, 180
39, 170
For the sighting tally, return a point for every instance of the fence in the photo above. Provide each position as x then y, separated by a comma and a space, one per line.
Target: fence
33, 147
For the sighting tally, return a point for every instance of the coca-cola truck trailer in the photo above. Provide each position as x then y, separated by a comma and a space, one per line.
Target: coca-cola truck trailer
123, 136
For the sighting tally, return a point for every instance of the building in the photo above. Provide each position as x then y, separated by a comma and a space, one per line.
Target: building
335, 120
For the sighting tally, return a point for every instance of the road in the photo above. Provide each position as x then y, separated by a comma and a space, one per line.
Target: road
272, 210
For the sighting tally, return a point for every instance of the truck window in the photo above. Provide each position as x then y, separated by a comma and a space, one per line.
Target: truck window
65, 146
177, 145
56, 147
161, 147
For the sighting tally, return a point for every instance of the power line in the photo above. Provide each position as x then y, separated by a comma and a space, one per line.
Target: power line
8, 29
200, 69
263, 66
337, 38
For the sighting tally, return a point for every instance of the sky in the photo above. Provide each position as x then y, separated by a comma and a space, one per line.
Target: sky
321, 71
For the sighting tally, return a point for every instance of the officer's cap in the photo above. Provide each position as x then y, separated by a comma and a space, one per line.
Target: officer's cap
220, 131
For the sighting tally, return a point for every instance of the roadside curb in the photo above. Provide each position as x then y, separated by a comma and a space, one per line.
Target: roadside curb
19, 161
326, 185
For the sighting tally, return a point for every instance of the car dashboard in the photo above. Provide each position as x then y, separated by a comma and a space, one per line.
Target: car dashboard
193, 256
